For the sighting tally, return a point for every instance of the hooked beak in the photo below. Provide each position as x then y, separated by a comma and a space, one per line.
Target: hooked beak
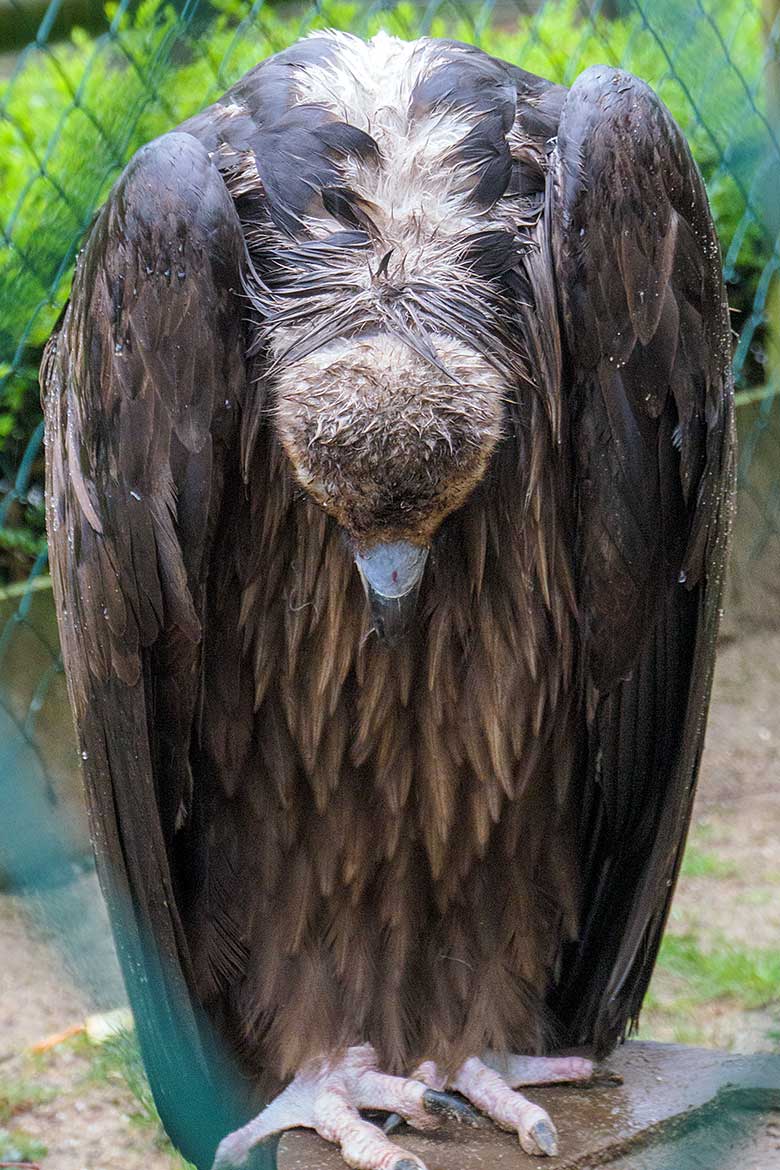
391, 576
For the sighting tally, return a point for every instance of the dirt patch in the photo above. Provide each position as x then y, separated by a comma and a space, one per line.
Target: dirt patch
728, 896
737, 813
728, 899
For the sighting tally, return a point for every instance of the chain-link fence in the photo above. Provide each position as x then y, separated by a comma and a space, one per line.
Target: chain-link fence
77, 99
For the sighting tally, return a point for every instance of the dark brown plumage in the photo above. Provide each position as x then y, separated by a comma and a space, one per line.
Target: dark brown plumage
309, 839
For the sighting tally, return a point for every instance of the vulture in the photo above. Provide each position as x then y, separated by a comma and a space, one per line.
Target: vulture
390, 470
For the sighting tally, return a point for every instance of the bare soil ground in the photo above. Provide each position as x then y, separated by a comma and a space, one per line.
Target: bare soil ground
726, 910
718, 982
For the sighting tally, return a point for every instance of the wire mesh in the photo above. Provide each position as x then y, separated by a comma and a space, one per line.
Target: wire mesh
76, 102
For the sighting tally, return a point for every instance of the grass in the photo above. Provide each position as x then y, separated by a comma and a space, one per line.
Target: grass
695, 988
705, 984
749, 976
18, 1146
17, 1096
115, 1061
699, 863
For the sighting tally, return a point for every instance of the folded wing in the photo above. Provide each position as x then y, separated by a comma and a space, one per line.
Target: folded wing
647, 341
142, 385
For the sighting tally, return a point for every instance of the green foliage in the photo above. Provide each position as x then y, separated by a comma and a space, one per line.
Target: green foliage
73, 113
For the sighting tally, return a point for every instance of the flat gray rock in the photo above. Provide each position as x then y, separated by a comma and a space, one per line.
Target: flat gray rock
677, 1108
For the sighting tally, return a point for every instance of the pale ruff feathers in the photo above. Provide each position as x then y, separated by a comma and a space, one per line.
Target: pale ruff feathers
418, 202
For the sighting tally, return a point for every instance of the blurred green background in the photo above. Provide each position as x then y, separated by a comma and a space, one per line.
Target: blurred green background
82, 85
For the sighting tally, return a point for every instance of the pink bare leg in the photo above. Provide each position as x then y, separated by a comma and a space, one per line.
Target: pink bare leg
327, 1096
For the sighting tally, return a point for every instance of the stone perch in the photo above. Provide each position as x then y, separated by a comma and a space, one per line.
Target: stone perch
668, 1108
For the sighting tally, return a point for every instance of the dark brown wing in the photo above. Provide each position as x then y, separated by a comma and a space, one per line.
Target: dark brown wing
142, 384
647, 332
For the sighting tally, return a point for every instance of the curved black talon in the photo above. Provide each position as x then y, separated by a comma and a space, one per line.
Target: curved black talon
450, 1107
604, 1076
392, 1122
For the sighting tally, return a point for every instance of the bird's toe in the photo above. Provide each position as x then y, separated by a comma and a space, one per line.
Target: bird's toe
365, 1147
539, 1070
543, 1137
327, 1097
486, 1089
232, 1152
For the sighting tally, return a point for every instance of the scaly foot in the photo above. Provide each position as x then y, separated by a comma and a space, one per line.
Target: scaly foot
327, 1096
490, 1083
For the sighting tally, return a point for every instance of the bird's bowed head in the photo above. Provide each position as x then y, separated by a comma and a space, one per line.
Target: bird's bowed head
389, 442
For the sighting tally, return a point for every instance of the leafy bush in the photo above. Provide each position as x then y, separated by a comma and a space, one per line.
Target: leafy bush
74, 113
